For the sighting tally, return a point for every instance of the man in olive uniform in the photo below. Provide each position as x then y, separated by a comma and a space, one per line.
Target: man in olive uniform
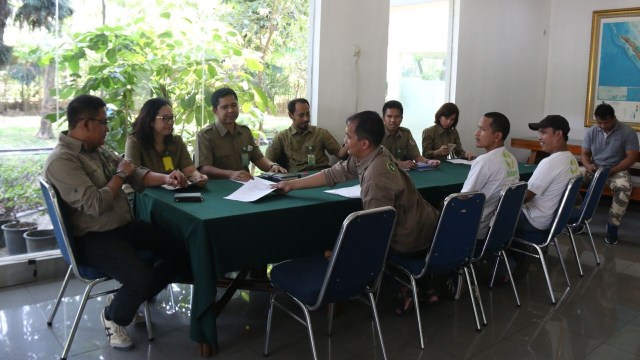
302, 146
224, 148
381, 184
398, 140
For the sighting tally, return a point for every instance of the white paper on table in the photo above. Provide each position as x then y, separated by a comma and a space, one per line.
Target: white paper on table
461, 161
252, 190
350, 192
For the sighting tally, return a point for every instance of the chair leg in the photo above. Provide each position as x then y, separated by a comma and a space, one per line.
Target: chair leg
309, 329
330, 314
473, 301
593, 245
477, 293
147, 319
414, 290
503, 255
564, 267
374, 310
269, 319
76, 321
575, 250
63, 288
546, 273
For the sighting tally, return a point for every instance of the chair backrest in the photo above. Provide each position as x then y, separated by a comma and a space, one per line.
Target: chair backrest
59, 213
359, 255
594, 192
505, 218
455, 238
565, 206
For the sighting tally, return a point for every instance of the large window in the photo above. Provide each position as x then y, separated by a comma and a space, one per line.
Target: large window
128, 52
419, 59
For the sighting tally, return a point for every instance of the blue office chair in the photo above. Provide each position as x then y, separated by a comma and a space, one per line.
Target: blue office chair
451, 250
501, 230
59, 212
583, 215
355, 267
541, 239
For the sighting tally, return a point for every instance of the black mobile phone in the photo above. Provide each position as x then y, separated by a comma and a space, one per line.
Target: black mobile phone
188, 197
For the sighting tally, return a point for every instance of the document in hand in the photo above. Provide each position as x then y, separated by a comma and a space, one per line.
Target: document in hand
252, 190
460, 161
350, 192
424, 167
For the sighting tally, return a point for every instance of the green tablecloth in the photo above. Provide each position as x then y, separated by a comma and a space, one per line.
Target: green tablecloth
224, 235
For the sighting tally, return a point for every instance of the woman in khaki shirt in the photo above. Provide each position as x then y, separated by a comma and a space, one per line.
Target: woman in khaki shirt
153, 145
437, 140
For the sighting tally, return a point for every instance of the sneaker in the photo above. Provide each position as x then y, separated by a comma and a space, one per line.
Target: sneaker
612, 235
118, 337
578, 229
454, 284
138, 319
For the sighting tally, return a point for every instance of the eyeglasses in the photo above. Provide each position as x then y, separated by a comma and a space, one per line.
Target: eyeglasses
104, 122
166, 119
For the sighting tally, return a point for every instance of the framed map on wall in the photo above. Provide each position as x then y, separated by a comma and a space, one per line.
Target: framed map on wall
614, 65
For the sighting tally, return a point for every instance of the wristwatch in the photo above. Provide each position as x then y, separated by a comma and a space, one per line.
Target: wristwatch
122, 175
274, 164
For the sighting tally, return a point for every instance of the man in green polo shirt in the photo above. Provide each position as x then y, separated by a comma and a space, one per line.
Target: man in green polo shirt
303, 146
224, 148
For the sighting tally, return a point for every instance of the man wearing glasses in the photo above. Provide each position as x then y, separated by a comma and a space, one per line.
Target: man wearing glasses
224, 149
89, 179
613, 145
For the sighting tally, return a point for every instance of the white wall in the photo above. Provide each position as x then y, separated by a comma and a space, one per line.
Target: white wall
569, 45
343, 84
502, 64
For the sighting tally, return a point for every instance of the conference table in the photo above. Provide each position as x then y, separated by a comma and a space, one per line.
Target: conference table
225, 236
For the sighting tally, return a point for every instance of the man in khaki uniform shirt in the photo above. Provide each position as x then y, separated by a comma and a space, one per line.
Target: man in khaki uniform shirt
381, 183
398, 140
302, 146
224, 148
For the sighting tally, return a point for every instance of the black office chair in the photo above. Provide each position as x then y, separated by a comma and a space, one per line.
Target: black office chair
355, 268
541, 239
58, 212
584, 214
451, 250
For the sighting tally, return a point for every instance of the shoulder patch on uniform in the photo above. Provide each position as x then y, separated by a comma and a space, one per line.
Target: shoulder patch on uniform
391, 166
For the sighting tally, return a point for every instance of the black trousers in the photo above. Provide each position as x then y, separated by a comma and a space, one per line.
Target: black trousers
117, 253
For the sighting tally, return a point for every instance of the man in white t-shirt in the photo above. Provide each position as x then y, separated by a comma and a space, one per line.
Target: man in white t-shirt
550, 179
490, 172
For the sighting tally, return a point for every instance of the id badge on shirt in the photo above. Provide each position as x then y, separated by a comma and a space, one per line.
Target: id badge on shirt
168, 163
311, 158
245, 156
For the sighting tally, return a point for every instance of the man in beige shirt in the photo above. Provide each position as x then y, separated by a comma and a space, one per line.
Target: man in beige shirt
303, 146
224, 148
381, 183
89, 179
398, 140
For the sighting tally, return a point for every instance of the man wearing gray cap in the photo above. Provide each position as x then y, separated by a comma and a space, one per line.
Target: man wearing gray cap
550, 179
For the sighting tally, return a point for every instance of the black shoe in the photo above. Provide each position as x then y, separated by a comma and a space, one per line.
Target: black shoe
578, 229
612, 235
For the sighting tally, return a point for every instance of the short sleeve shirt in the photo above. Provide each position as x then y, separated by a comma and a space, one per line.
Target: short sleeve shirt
401, 145
608, 150
434, 137
548, 182
489, 174
229, 150
176, 152
383, 184
303, 150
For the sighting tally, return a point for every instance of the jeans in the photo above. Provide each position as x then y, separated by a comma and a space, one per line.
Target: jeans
117, 253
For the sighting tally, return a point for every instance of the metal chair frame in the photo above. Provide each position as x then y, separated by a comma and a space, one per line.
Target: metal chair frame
88, 275
559, 222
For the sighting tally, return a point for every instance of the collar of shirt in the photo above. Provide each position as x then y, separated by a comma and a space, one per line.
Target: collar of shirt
442, 130
71, 143
364, 163
397, 135
294, 131
614, 129
223, 130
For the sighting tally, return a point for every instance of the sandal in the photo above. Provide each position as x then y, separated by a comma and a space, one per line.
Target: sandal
405, 303
430, 297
